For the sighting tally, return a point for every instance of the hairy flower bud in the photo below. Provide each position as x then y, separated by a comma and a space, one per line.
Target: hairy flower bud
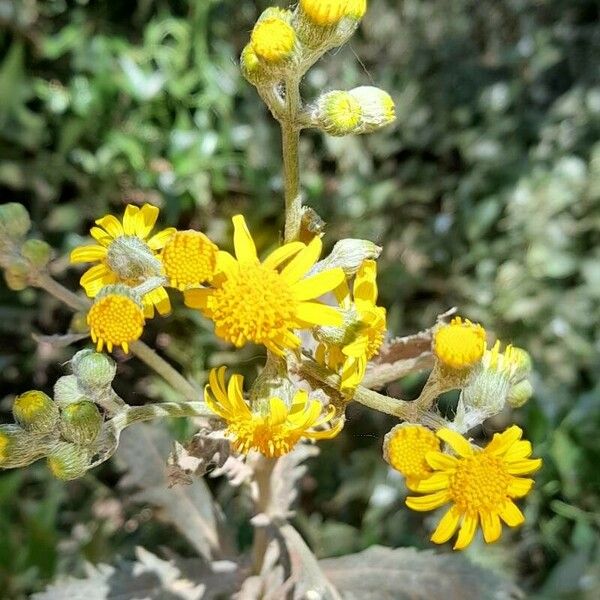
348, 254
67, 391
338, 113
251, 66
377, 108
130, 258
273, 39
68, 461
17, 275
20, 447
14, 221
81, 422
93, 370
37, 252
35, 411
520, 393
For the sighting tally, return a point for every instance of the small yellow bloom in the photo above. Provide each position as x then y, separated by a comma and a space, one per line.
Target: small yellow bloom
405, 448
35, 411
366, 337
273, 40
259, 302
338, 113
189, 259
275, 433
116, 318
459, 344
479, 483
326, 13
126, 255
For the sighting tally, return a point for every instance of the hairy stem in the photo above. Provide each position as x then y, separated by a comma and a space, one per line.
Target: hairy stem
137, 414
263, 470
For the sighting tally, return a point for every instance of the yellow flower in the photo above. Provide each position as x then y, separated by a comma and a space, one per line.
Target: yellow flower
189, 259
116, 318
365, 337
405, 448
261, 303
326, 13
125, 255
273, 40
459, 344
275, 433
479, 483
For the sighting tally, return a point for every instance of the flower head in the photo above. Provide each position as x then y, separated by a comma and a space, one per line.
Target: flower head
189, 259
116, 318
260, 302
126, 254
405, 448
274, 433
326, 13
366, 331
459, 344
480, 485
273, 40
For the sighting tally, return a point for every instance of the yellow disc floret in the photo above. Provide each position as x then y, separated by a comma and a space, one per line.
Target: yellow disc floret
479, 483
115, 319
273, 40
189, 259
405, 448
459, 344
326, 13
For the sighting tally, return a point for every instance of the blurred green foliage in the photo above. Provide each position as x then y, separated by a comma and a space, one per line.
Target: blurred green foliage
485, 195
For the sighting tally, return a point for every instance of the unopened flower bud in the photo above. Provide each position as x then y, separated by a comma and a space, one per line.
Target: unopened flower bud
348, 254
326, 13
273, 39
69, 461
338, 113
487, 391
17, 275
520, 393
93, 370
35, 411
67, 391
377, 108
37, 252
521, 361
81, 422
251, 66
20, 447
14, 221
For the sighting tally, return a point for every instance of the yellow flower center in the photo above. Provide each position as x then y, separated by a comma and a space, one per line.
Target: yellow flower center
326, 13
258, 434
273, 40
406, 448
255, 304
480, 483
459, 344
115, 320
189, 259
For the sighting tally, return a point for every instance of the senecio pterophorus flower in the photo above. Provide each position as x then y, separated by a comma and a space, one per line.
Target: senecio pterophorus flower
365, 333
126, 255
272, 434
479, 483
459, 344
263, 302
326, 13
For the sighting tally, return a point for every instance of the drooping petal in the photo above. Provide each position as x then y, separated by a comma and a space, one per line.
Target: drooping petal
435, 483
283, 253
327, 434
317, 285
490, 523
447, 526
130, 219
467, 532
428, 502
145, 221
278, 411
316, 313
245, 249
160, 299
303, 261
512, 515
90, 253
112, 225
440, 461
456, 441
365, 286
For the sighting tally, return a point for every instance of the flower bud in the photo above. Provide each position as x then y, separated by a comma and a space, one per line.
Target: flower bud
14, 221
67, 391
93, 370
19, 447
273, 39
16, 276
251, 66
81, 422
521, 361
486, 391
37, 252
377, 108
273, 381
35, 411
68, 461
131, 259
520, 393
348, 254
338, 113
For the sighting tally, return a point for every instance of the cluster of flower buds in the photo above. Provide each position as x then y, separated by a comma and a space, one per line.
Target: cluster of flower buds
20, 257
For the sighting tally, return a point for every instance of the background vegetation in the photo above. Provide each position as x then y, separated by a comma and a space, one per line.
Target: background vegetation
485, 195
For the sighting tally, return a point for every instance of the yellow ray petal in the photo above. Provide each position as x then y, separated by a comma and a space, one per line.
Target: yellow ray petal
245, 249
303, 261
160, 299
365, 287
95, 273
490, 523
501, 442
456, 441
327, 434
447, 526
519, 487
145, 221
283, 253
278, 411
435, 483
524, 467
440, 461
130, 219
197, 298
159, 240
316, 313
467, 532
90, 253
518, 451
112, 225
317, 285
428, 502
512, 515
101, 236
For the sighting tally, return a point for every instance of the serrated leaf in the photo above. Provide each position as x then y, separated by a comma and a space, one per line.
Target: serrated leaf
380, 573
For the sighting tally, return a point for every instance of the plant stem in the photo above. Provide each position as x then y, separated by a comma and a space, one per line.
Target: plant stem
263, 470
72, 300
290, 141
137, 414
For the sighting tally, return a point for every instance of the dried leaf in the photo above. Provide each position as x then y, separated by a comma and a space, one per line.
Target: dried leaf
408, 574
144, 449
